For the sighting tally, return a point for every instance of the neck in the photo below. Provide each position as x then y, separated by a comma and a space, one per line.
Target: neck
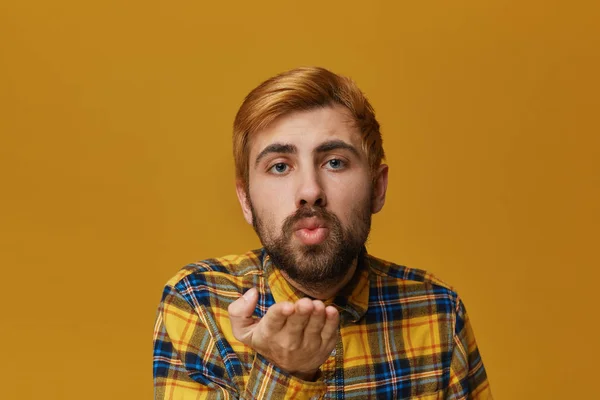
327, 292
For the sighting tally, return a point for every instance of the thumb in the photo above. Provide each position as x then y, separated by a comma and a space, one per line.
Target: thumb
240, 315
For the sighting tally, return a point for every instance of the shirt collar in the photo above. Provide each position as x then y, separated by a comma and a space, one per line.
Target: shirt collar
352, 300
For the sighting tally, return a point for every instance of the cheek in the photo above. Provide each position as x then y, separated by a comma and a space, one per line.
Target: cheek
348, 203
270, 206
272, 194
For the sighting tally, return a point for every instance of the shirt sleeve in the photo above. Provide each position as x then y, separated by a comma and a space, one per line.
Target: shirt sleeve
188, 364
267, 381
468, 379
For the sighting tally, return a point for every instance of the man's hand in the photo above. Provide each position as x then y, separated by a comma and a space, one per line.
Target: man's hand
297, 338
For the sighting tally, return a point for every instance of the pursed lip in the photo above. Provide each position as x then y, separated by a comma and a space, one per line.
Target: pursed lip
310, 224
311, 231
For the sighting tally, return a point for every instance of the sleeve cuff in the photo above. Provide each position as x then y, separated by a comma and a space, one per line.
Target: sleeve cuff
267, 381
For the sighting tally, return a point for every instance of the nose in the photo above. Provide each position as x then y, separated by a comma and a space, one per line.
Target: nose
310, 190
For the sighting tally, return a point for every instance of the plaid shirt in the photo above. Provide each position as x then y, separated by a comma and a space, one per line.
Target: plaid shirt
403, 334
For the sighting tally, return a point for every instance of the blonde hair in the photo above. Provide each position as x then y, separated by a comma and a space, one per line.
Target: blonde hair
303, 89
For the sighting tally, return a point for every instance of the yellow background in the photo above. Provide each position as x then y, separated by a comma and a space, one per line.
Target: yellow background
116, 170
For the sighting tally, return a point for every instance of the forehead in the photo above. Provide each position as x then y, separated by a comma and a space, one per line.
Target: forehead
307, 129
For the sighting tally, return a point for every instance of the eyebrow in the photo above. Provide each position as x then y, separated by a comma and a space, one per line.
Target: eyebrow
325, 147
336, 145
276, 148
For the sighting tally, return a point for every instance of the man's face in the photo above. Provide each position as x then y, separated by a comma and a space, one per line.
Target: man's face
311, 194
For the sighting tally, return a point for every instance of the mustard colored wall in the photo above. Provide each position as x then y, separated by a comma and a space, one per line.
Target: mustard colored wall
116, 170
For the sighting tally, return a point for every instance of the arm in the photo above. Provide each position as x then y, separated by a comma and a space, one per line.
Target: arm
188, 362
468, 379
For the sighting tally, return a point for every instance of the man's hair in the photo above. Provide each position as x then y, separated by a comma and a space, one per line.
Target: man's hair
303, 89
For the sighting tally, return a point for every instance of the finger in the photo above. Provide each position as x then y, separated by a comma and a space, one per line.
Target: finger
294, 326
330, 329
315, 324
240, 314
276, 316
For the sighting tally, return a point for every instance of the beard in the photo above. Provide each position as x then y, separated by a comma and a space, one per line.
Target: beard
319, 266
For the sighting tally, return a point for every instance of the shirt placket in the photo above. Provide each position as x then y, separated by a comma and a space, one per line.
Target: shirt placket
333, 371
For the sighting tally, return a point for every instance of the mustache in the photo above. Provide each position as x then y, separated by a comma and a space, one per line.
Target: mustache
309, 212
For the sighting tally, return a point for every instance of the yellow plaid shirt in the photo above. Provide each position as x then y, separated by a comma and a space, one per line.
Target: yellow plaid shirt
403, 334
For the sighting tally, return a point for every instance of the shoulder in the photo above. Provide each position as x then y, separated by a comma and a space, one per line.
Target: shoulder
226, 276
412, 281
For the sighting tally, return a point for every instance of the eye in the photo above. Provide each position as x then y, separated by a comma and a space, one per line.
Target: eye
279, 168
335, 164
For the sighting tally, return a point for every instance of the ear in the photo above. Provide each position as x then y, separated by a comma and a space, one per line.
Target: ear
240, 189
380, 182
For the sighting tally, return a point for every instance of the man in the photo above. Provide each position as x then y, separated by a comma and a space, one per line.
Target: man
311, 315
